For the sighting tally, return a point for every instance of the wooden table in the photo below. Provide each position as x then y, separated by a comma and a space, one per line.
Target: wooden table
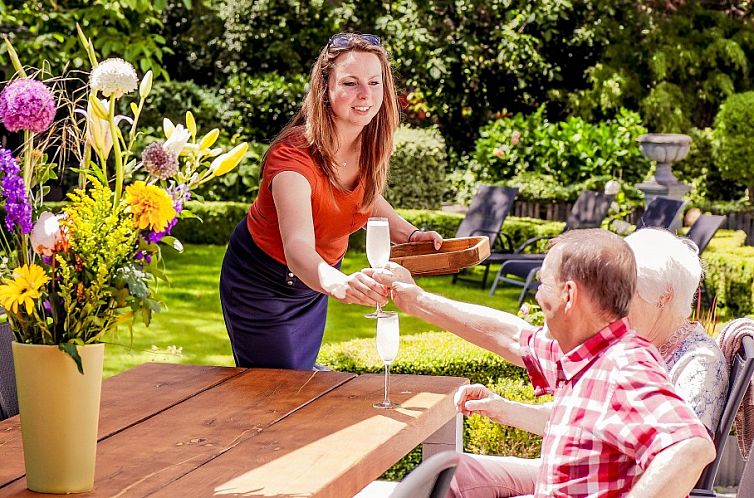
185, 430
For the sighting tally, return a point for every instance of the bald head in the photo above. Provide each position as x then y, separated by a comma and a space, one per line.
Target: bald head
601, 263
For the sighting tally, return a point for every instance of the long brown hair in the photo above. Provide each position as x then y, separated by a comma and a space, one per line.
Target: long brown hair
315, 119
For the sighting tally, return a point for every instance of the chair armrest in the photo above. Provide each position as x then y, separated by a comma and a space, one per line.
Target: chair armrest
530, 242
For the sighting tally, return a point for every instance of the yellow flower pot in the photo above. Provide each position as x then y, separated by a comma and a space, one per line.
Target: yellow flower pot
59, 410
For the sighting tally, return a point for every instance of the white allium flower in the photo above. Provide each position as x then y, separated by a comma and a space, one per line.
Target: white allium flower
114, 76
177, 140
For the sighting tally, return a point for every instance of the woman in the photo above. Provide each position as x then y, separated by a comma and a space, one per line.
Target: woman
668, 275
322, 178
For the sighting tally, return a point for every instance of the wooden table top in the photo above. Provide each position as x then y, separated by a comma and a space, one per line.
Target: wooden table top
186, 430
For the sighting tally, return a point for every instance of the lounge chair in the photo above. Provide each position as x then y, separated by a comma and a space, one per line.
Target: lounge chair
486, 214
518, 268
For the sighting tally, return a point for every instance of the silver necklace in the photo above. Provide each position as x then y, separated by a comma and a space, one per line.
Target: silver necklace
671, 343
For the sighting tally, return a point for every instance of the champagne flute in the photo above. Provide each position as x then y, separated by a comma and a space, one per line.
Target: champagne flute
378, 252
387, 347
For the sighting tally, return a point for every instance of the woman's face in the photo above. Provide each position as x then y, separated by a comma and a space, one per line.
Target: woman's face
355, 88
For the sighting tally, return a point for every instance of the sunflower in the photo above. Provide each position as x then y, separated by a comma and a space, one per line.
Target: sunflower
151, 206
23, 289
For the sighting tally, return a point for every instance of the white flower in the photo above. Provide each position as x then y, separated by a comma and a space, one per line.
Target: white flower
46, 234
98, 130
114, 77
177, 140
612, 187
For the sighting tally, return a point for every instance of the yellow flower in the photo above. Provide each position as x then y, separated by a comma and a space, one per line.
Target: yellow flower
23, 289
151, 206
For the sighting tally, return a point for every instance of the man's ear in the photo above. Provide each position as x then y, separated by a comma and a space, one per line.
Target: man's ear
570, 292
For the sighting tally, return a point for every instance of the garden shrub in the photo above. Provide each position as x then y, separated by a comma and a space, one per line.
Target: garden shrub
700, 170
171, 99
729, 273
565, 154
442, 353
417, 169
733, 147
262, 103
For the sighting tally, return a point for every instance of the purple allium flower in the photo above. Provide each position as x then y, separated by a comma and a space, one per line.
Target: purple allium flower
180, 194
17, 207
27, 105
158, 162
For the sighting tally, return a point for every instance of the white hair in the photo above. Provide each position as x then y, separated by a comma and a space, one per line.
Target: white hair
666, 263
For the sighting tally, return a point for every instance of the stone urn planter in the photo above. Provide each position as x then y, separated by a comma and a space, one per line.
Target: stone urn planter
664, 149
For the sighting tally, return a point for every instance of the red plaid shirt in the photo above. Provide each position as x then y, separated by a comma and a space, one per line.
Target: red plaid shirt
614, 410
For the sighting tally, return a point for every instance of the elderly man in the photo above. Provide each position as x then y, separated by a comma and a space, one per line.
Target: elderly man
615, 427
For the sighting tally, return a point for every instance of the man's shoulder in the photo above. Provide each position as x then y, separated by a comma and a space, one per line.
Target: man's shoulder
630, 351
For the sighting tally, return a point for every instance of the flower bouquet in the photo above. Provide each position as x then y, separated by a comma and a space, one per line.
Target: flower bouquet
69, 278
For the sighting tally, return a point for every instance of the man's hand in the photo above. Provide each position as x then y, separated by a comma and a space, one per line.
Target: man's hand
477, 399
403, 289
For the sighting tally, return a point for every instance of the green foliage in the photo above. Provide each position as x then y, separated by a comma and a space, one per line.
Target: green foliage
675, 61
279, 35
700, 170
417, 169
44, 33
472, 59
733, 147
729, 273
441, 353
262, 104
171, 99
549, 160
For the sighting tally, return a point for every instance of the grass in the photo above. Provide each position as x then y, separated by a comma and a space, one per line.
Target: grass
193, 320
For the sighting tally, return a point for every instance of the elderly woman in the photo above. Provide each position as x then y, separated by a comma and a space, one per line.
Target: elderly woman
669, 271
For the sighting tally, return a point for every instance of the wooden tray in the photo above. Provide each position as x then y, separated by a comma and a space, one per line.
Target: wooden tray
421, 258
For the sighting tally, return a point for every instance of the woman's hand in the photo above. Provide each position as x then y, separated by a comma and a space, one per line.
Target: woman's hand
430, 236
361, 288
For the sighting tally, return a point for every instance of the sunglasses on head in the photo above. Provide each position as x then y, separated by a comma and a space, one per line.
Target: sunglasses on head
344, 40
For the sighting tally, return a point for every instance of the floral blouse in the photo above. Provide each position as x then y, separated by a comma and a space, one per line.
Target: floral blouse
699, 373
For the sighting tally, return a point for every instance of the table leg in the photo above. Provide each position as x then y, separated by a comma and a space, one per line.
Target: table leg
448, 437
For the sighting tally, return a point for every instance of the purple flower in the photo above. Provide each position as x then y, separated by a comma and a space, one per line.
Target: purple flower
180, 194
17, 207
159, 162
27, 105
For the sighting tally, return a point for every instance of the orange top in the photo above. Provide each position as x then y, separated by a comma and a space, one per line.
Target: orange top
335, 213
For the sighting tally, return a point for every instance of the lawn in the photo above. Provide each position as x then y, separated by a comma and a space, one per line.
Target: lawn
192, 319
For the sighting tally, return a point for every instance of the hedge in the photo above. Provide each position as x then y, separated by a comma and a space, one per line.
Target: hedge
417, 169
442, 353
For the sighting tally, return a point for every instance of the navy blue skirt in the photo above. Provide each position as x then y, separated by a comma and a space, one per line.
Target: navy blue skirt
273, 319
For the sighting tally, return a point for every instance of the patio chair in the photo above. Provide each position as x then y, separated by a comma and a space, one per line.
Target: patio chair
746, 486
741, 373
8, 396
517, 268
431, 479
662, 212
486, 214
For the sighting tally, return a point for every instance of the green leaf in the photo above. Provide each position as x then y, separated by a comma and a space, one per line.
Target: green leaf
74, 354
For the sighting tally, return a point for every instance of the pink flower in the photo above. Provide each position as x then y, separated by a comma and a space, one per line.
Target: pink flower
27, 105
499, 152
515, 137
46, 236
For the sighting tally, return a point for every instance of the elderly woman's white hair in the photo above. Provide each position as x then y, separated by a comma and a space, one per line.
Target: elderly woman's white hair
665, 263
